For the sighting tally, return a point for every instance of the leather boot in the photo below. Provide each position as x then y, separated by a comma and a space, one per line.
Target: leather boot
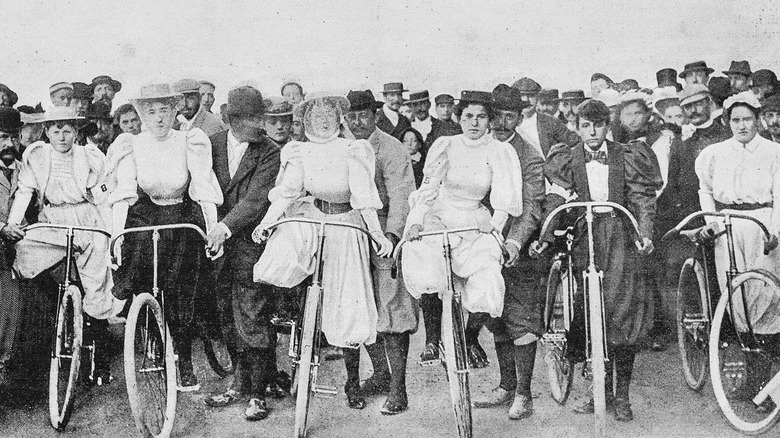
505, 391
355, 399
379, 382
397, 345
623, 357
525, 357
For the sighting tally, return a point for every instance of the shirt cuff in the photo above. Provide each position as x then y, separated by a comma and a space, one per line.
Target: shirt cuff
226, 229
513, 242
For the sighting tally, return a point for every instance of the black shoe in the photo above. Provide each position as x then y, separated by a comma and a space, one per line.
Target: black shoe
622, 410
395, 405
256, 410
224, 399
477, 356
280, 386
188, 382
377, 384
355, 399
430, 355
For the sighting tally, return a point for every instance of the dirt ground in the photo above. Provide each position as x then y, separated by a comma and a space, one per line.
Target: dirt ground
663, 407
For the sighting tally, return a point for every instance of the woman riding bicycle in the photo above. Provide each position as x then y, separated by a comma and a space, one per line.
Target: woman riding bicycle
459, 172
164, 176
339, 175
71, 184
742, 175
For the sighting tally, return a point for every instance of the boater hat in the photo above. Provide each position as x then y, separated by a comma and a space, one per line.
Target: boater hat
62, 114
394, 87
573, 95
419, 96
278, 107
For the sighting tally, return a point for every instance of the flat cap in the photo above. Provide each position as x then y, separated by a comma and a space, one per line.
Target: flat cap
527, 86
186, 86
60, 86
444, 98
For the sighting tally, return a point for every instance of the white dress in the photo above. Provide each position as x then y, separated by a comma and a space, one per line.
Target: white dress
337, 171
732, 173
458, 174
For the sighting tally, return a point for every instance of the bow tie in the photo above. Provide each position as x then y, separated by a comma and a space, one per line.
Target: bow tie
600, 156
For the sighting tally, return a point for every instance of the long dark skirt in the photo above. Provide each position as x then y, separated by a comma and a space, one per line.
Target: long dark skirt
180, 253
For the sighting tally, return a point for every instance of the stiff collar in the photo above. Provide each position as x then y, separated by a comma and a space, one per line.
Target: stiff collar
233, 141
750, 146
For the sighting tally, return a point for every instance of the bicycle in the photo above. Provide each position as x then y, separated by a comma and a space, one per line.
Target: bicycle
68, 340
305, 334
149, 359
453, 331
559, 311
732, 343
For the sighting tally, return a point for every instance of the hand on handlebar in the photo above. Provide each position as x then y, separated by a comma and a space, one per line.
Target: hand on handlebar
536, 249
385, 245
645, 247
116, 261
514, 255
413, 233
709, 231
12, 233
770, 245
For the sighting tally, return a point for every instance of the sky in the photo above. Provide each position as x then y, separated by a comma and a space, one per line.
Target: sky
338, 45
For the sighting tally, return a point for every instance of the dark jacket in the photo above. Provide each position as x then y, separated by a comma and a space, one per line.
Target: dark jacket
552, 131
440, 128
383, 123
532, 166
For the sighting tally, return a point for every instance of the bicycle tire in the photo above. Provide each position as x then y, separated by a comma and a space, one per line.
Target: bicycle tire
305, 364
456, 360
218, 356
560, 369
64, 370
726, 358
143, 342
693, 324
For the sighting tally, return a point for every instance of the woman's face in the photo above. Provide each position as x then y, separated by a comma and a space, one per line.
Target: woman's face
743, 124
62, 138
158, 117
321, 120
411, 143
474, 121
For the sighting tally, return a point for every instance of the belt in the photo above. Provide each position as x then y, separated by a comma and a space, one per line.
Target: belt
743, 207
332, 207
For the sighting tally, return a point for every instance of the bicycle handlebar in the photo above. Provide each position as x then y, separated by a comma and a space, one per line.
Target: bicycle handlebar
698, 214
154, 228
590, 205
322, 223
66, 228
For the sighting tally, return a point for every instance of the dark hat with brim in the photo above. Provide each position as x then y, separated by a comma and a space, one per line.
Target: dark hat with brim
527, 86
362, 100
771, 103
549, 95
245, 101
418, 96
115, 85
573, 95
394, 87
508, 98
444, 98
738, 68
12, 97
10, 120
98, 110
695, 66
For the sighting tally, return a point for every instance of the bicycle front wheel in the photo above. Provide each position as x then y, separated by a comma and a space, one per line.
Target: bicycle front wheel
66, 358
305, 366
454, 338
150, 368
736, 372
560, 370
693, 323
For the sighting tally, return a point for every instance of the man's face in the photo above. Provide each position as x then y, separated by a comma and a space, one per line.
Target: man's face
206, 96
30, 133
634, 116
762, 91
592, 134
79, 106
420, 109
674, 114
569, 110
504, 124
739, 83
597, 86
698, 112
532, 100
361, 123
105, 130
546, 107
62, 97
697, 77
444, 110
292, 93
743, 124
104, 92
279, 128
129, 122
772, 120
191, 105
8, 150
394, 100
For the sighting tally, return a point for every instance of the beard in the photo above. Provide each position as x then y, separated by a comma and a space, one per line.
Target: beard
9, 155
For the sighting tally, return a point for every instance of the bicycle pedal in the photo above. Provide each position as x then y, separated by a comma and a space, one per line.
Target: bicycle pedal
430, 363
325, 391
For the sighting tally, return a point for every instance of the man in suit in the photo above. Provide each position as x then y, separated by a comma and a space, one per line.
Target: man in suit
397, 310
192, 114
246, 163
388, 118
518, 329
540, 130
428, 126
770, 113
10, 296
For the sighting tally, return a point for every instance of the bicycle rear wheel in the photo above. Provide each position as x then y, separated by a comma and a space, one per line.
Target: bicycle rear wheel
560, 370
734, 370
150, 368
454, 337
305, 366
66, 358
693, 323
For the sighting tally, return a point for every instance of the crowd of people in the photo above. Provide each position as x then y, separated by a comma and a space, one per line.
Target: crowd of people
497, 160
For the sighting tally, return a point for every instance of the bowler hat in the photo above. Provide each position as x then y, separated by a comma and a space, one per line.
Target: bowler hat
418, 96
593, 110
695, 66
764, 77
156, 92
508, 98
98, 110
720, 88
738, 68
82, 91
666, 77
277, 107
186, 86
470, 96
60, 86
444, 98
573, 95
116, 85
360, 100
693, 93
771, 103
10, 120
245, 101
12, 97
628, 84
527, 86
394, 87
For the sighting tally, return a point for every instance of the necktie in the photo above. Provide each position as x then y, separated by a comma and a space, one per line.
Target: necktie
600, 156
